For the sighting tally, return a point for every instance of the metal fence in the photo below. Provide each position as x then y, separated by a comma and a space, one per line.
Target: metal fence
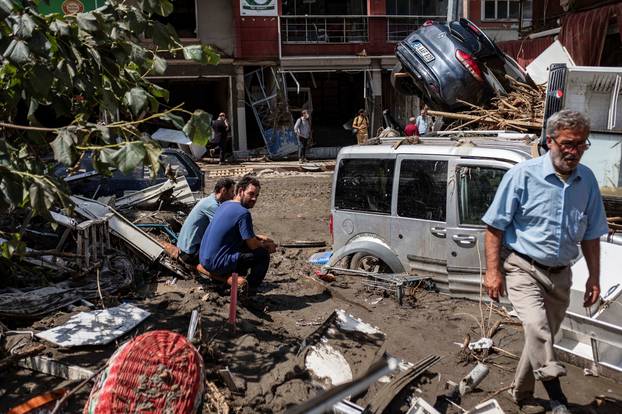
324, 29
347, 29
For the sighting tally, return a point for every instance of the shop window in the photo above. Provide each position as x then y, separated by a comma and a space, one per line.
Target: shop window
422, 191
365, 184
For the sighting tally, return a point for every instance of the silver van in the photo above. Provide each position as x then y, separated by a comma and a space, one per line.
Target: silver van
417, 209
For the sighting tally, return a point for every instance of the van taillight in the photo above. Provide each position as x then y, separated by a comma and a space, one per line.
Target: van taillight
469, 63
330, 228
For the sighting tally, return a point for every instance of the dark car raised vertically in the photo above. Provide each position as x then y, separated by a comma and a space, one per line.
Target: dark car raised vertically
445, 63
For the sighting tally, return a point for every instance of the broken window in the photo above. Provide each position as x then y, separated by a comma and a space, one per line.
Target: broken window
476, 190
365, 185
422, 191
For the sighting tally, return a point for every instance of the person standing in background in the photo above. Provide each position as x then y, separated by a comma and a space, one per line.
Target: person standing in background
423, 121
361, 126
302, 129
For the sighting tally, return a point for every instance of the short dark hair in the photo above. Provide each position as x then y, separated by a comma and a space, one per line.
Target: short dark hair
223, 183
245, 182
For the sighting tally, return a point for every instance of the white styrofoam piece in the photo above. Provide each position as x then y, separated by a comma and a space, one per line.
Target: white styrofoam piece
350, 323
487, 407
326, 363
538, 70
421, 406
98, 327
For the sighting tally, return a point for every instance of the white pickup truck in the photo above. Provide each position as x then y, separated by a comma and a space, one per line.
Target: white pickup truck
593, 337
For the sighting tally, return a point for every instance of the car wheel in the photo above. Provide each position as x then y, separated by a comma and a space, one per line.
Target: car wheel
368, 263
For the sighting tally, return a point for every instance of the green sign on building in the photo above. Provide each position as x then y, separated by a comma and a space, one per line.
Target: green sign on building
69, 6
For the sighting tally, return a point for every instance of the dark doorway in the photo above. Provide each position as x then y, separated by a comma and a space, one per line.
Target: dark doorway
335, 99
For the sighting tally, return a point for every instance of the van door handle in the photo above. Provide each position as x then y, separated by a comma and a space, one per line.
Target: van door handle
464, 240
440, 232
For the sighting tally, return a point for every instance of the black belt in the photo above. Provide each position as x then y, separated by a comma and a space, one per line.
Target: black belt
550, 269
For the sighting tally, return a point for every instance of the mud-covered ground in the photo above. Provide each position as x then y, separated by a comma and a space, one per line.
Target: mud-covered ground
263, 354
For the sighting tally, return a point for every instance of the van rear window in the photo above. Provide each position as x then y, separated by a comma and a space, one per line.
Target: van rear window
365, 184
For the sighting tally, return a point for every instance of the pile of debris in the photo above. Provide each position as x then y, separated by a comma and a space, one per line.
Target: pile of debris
520, 110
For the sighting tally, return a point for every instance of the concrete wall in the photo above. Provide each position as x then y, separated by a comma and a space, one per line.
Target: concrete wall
216, 24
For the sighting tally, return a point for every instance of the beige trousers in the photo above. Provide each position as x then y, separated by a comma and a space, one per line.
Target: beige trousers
540, 298
361, 137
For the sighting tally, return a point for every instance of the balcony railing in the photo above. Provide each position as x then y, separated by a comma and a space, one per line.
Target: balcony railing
324, 29
347, 29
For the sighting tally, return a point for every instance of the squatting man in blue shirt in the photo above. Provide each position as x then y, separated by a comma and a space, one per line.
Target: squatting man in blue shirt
230, 243
199, 218
543, 209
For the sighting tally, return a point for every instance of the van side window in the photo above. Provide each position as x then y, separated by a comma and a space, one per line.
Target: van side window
476, 190
365, 184
423, 190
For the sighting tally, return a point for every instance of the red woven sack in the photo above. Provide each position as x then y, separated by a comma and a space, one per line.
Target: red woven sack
156, 372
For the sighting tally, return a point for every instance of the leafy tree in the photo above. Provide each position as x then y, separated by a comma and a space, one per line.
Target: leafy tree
70, 84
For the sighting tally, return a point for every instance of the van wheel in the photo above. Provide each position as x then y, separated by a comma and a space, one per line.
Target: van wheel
368, 263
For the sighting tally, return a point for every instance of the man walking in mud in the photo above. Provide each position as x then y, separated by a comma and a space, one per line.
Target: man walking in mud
544, 208
230, 243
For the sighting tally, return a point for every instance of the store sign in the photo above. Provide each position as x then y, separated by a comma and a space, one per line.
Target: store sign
259, 7
67, 7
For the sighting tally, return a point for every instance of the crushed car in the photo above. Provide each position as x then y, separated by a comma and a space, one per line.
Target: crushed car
448, 64
88, 182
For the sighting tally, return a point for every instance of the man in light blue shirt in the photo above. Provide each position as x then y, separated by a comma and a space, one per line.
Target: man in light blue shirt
196, 223
543, 209
423, 121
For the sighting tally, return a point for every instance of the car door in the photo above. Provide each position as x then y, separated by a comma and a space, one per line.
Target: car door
472, 188
418, 228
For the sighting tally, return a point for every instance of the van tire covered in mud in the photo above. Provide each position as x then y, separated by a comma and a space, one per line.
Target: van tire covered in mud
369, 263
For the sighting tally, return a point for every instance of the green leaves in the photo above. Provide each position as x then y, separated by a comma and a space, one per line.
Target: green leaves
13, 246
199, 127
136, 99
87, 22
24, 26
129, 156
202, 54
17, 52
63, 147
84, 80
161, 7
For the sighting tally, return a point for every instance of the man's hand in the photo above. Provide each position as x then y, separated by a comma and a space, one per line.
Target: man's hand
494, 279
494, 284
267, 243
592, 292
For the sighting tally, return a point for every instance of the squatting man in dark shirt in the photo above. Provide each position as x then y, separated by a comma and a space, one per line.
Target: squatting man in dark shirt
543, 210
230, 244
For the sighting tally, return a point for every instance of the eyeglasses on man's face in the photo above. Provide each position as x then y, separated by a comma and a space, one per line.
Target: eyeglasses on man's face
570, 145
